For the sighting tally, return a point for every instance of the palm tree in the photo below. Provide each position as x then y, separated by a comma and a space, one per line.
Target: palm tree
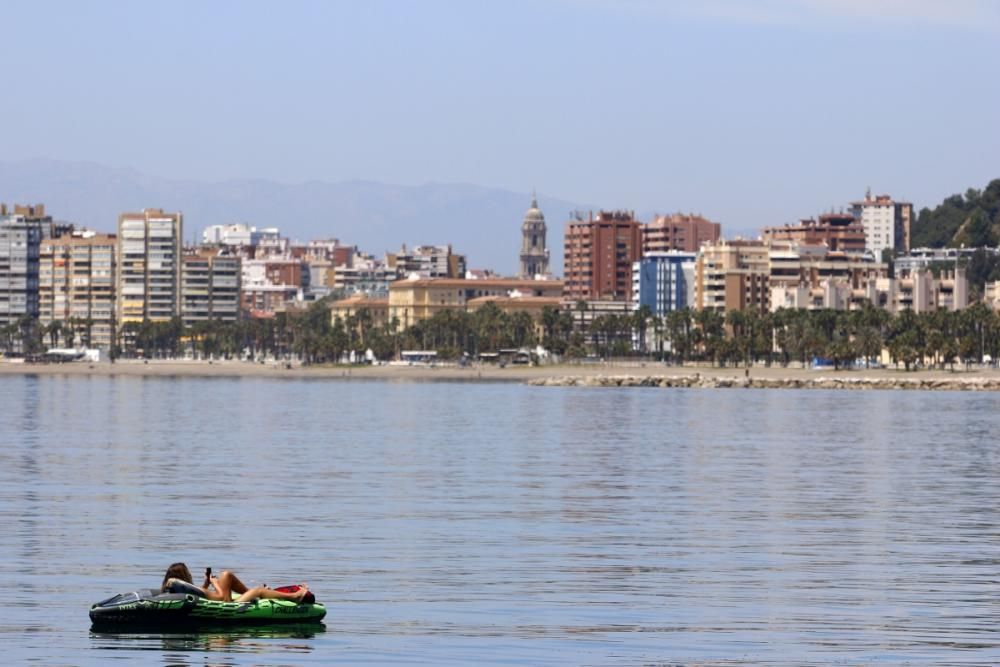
582, 308
523, 329
678, 324
53, 330
711, 333
640, 319
869, 341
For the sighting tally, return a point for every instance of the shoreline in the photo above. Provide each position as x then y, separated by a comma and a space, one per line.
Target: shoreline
584, 375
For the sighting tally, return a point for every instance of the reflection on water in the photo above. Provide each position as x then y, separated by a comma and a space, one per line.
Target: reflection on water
466, 523
288, 640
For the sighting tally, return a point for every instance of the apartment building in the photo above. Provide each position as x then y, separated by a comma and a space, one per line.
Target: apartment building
732, 275
737, 275
886, 223
918, 259
210, 287
683, 232
270, 285
21, 235
236, 234
366, 276
149, 265
837, 231
427, 261
923, 292
598, 256
77, 287
664, 281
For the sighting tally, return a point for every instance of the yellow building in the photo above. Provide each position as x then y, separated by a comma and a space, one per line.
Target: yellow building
352, 305
412, 301
533, 305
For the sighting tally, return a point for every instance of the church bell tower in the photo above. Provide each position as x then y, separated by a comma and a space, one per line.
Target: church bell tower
534, 256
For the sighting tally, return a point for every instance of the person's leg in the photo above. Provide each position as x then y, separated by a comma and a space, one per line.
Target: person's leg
225, 585
233, 582
263, 592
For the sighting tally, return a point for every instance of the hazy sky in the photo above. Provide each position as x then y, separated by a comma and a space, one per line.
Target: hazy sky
750, 112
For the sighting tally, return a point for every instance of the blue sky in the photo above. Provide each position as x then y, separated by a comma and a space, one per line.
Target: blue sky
752, 113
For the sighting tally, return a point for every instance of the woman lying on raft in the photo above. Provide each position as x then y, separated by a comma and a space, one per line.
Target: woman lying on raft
178, 580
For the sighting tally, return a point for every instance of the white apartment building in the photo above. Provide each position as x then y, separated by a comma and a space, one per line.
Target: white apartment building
149, 265
237, 234
886, 223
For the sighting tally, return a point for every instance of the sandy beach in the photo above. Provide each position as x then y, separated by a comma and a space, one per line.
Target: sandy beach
598, 374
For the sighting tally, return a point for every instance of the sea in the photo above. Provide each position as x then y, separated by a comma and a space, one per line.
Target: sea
450, 523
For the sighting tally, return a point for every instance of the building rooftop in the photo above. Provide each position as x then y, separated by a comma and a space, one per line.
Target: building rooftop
361, 300
512, 283
517, 299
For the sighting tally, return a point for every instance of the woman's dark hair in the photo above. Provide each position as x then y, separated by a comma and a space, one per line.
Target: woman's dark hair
176, 571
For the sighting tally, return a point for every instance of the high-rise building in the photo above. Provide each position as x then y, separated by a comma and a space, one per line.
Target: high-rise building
210, 287
77, 287
663, 281
732, 275
681, 232
534, 255
20, 238
149, 265
599, 253
886, 223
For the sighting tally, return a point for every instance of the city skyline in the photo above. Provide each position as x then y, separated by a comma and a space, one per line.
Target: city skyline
621, 105
396, 215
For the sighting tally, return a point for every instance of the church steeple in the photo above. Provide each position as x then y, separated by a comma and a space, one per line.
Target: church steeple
534, 256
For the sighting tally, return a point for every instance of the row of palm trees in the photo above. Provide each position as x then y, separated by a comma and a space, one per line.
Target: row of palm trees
28, 336
938, 338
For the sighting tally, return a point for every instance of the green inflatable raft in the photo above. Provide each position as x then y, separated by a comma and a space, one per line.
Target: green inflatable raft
151, 609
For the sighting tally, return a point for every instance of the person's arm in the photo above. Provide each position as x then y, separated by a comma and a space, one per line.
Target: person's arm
174, 585
208, 578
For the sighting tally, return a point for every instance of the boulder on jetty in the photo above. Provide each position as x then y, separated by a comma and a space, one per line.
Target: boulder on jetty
699, 381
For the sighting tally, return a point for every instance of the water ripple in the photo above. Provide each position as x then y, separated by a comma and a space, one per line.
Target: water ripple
498, 524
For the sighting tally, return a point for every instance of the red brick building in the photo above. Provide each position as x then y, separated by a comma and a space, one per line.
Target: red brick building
679, 232
598, 256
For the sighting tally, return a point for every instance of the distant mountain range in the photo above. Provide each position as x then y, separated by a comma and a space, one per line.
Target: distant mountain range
483, 223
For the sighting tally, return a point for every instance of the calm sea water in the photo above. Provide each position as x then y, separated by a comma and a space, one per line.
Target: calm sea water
505, 524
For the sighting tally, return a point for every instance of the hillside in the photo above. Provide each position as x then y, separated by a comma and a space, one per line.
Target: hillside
971, 220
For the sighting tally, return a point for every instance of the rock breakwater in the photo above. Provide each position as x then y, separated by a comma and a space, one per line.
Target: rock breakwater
698, 381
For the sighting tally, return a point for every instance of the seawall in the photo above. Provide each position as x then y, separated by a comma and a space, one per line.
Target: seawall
698, 381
